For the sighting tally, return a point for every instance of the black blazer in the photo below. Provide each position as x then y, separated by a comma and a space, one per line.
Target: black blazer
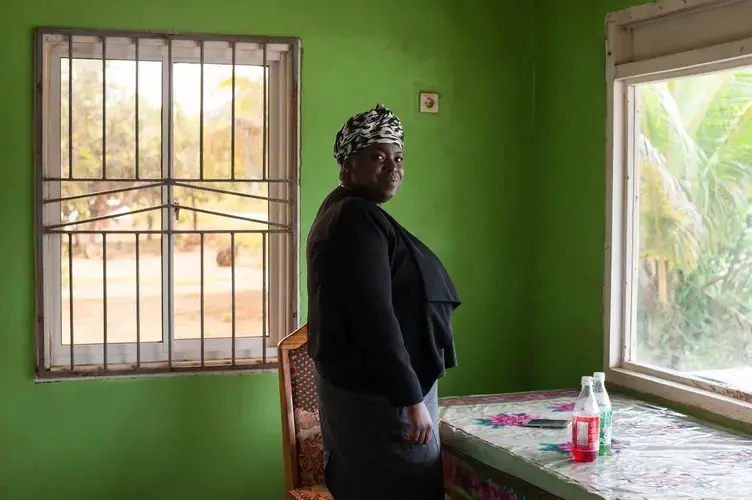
380, 303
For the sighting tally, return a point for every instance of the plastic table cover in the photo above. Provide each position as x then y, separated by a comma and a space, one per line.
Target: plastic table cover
656, 453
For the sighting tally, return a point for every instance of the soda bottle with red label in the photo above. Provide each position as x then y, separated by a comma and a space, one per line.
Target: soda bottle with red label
586, 421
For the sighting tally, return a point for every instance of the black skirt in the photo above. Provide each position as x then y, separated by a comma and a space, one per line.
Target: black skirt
366, 455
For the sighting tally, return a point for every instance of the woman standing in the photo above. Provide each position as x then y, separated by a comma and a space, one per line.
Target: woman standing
379, 326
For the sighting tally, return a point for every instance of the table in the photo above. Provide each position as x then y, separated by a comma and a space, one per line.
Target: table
657, 453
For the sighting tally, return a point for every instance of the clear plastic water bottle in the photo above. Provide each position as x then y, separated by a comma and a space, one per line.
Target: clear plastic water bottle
604, 405
586, 424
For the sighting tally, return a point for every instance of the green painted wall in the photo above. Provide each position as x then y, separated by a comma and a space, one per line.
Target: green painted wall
219, 436
567, 195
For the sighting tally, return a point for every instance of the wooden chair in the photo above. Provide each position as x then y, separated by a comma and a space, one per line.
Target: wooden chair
303, 447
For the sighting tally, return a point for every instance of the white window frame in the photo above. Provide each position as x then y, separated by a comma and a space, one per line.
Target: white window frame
283, 160
624, 69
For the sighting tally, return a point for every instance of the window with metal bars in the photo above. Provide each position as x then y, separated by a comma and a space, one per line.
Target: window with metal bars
166, 201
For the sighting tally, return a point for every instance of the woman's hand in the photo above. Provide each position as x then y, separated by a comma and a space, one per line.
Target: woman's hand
421, 426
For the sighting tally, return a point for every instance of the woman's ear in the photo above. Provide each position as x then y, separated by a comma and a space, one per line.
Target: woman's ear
349, 164
347, 168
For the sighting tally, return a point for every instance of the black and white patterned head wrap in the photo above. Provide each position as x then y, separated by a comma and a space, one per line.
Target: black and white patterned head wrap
377, 126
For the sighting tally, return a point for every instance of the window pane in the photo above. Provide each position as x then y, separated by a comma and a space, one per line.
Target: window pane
111, 211
694, 293
120, 116
86, 115
218, 206
222, 206
217, 286
217, 119
121, 285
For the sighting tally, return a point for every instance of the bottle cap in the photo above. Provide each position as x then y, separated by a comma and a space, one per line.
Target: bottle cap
587, 380
599, 376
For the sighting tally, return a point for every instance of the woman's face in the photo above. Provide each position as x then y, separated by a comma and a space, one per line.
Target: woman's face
375, 171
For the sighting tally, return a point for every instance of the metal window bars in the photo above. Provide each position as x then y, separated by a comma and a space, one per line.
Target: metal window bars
59, 49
